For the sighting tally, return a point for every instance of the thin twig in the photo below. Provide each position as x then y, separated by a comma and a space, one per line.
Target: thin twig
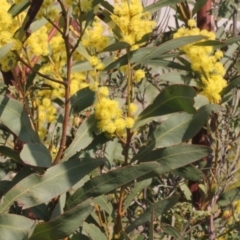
67, 85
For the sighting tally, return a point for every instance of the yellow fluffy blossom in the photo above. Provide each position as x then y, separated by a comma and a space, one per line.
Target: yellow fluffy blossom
130, 122
104, 91
8, 27
205, 62
191, 23
132, 108
133, 22
94, 37
138, 75
110, 117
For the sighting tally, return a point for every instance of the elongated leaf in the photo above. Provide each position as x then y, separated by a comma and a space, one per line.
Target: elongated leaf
23, 173
214, 43
83, 51
15, 227
180, 128
171, 45
93, 231
189, 172
156, 209
168, 229
13, 116
82, 99
36, 25
178, 78
11, 153
36, 154
116, 46
135, 56
82, 139
156, 6
36, 189
63, 225
152, 55
19, 7
109, 181
5, 49
32, 76
234, 83
104, 204
125, 236
172, 99
82, 67
166, 64
180, 155
174, 157
3, 186
138, 187
229, 197
106, 17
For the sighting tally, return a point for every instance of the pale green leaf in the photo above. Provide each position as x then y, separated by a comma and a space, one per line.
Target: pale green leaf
36, 189
110, 181
63, 225
36, 154
15, 227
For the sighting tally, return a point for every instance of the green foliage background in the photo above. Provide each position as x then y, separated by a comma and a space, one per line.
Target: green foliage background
99, 187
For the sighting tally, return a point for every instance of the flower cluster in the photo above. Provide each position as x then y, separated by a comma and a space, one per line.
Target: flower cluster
132, 21
205, 62
8, 26
94, 38
110, 115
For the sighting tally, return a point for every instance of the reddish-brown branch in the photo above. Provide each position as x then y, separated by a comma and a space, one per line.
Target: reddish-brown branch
204, 16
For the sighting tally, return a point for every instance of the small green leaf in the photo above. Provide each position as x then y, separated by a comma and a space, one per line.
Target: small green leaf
5, 49
82, 99
36, 189
110, 181
156, 209
36, 154
15, 227
63, 225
